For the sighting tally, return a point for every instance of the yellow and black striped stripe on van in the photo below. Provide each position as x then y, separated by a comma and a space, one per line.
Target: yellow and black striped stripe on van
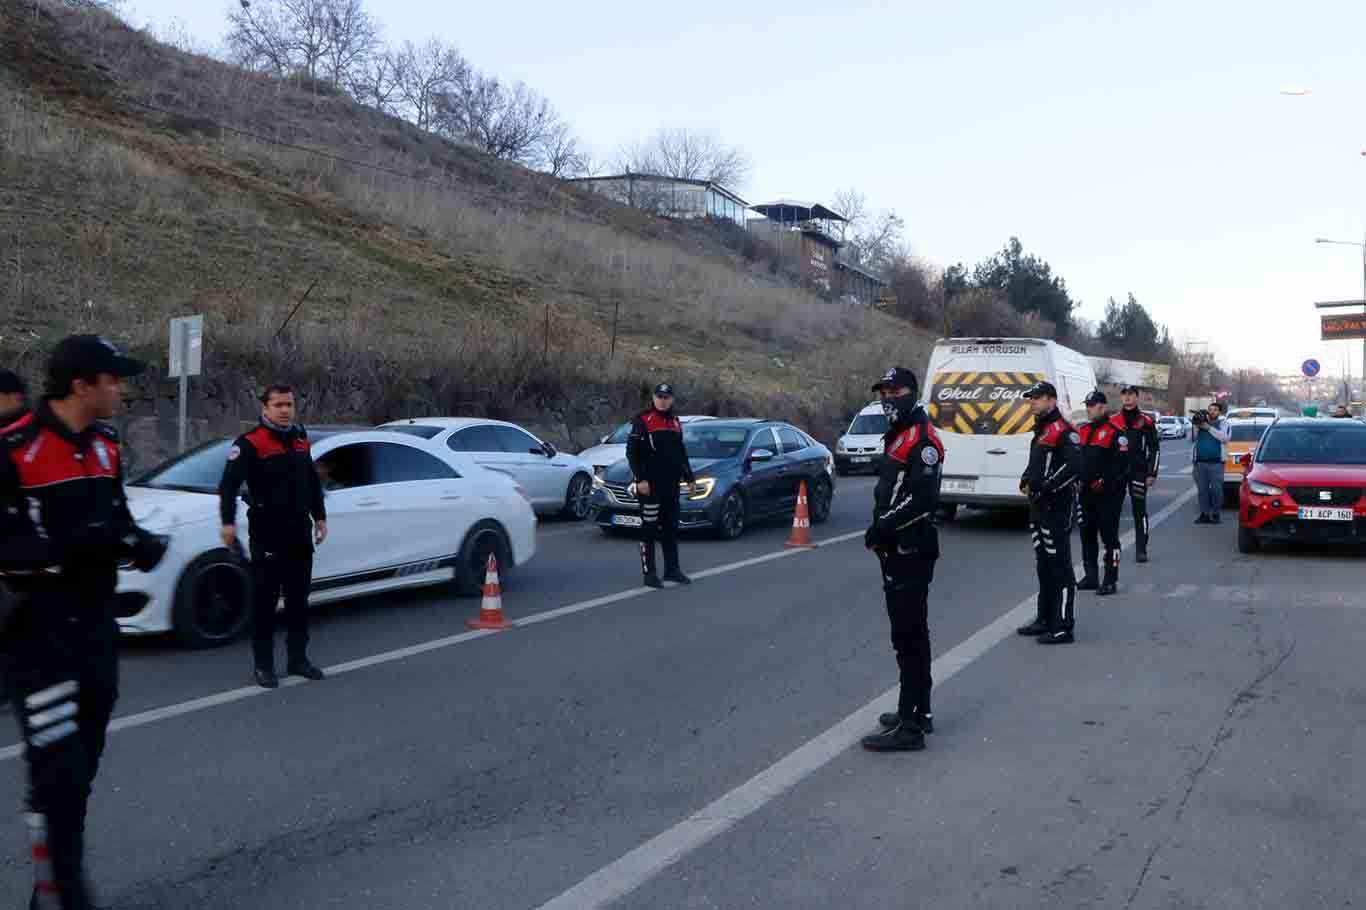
982, 404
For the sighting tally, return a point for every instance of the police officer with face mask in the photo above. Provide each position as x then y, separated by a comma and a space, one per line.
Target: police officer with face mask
906, 541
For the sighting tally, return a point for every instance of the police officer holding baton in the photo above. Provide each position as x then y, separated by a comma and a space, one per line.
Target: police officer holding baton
906, 541
1050, 483
64, 529
286, 518
1104, 471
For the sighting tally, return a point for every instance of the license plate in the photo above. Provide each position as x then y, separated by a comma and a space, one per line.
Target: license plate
1322, 513
626, 521
861, 459
952, 485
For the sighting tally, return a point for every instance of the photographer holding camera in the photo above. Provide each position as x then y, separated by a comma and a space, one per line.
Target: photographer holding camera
1209, 435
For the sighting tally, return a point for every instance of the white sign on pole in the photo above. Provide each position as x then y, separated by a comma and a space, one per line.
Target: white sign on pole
187, 347
1132, 372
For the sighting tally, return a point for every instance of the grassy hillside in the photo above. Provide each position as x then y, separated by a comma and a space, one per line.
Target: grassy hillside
141, 183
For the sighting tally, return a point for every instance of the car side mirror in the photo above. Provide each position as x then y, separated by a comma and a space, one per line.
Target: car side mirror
759, 455
550, 450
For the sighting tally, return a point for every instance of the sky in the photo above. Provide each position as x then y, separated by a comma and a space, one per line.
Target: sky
1147, 150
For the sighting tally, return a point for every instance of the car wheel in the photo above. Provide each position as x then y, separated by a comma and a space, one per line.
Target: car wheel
948, 511
731, 523
483, 540
822, 497
1247, 540
212, 600
578, 498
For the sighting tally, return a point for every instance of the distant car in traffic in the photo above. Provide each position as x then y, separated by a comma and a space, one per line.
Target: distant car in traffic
557, 482
860, 448
402, 513
1305, 481
746, 470
612, 448
1169, 427
1253, 413
1243, 438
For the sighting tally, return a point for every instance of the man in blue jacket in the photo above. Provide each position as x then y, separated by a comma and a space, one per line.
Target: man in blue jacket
1209, 437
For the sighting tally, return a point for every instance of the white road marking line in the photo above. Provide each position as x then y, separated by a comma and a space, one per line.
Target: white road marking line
218, 699
628, 873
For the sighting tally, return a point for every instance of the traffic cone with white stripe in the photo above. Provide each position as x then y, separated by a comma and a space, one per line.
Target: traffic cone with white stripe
491, 608
801, 522
45, 896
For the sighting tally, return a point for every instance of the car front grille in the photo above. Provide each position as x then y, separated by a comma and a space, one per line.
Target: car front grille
621, 493
1341, 496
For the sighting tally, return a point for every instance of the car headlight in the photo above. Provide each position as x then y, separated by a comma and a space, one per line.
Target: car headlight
704, 487
841, 447
1264, 489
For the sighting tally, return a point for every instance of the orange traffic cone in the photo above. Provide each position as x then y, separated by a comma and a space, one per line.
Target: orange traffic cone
801, 522
491, 609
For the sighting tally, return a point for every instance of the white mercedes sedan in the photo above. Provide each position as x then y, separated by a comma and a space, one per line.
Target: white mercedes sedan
401, 513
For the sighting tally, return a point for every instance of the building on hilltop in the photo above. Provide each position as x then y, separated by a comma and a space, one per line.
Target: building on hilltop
671, 197
812, 235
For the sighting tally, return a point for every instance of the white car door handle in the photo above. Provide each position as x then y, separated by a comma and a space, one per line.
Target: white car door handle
997, 452
368, 503
451, 497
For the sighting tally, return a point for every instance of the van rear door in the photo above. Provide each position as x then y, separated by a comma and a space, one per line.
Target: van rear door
976, 401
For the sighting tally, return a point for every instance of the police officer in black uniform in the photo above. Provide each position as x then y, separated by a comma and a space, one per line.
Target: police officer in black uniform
1145, 454
659, 463
904, 537
286, 519
1050, 483
1104, 471
64, 529
13, 398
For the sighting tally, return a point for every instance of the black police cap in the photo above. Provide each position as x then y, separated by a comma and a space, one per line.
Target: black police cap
11, 383
1126, 389
896, 378
84, 356
1041, 390
1096, 396
664, 390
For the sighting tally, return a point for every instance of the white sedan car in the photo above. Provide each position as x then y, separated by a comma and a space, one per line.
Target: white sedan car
401, 513
557, 482
612, 448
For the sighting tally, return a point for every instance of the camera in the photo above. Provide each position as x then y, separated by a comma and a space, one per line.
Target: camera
1199, 418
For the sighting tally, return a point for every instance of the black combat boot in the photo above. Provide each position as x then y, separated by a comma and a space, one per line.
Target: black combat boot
904, 737
923, 719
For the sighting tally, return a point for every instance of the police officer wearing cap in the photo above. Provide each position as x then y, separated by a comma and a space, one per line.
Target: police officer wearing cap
1145, 454
286, 519
64, 529
904, 537
1050, 482
659, 463
1104, 472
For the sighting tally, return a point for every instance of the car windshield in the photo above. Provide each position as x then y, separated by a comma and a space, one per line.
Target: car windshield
197, 471
868, 425
1337, 444
707, 441
1247, 434
618, 437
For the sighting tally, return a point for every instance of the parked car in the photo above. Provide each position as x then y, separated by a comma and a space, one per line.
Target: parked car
1243, 438
1305, 481
860, 448
612, 448
1253, 413
402, 513
746, 470
557, 482
1169, 427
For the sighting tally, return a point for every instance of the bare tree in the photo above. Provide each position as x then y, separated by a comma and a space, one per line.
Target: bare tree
560, 154
374, 80
688, 155
427, 74
872, 240
259, 39
853, 205
353, 39
507, 121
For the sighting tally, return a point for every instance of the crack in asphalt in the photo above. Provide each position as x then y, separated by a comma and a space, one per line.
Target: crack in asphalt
1244, 695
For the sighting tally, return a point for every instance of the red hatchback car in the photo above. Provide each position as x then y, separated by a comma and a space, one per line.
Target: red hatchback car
1307, 481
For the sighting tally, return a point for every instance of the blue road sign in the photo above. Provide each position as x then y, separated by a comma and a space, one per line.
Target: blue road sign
1310, 367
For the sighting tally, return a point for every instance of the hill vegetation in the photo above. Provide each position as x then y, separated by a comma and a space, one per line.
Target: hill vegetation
381, 269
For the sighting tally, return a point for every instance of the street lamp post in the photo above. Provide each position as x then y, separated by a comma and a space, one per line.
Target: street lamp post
1362, 245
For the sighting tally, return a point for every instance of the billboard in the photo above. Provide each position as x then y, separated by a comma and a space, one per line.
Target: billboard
1131, 372
1337, 328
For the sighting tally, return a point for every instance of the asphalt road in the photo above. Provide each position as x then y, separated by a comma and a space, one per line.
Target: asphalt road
687, 748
